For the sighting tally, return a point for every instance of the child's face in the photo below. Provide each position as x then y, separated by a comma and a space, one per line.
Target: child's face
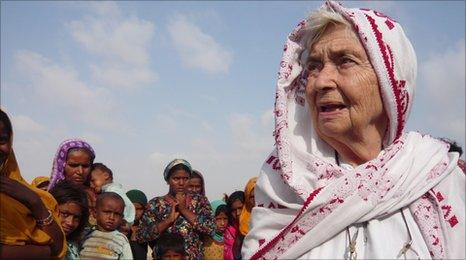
236, 208
195, 185
172, 255
221, 220
139, 211
98, 179
70, 216
109, 214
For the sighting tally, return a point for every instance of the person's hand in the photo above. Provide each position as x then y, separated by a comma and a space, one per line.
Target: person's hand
23, 194
134, 230
181, 199
174, 213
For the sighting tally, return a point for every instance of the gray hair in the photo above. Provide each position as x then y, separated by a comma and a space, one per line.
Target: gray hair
317, 22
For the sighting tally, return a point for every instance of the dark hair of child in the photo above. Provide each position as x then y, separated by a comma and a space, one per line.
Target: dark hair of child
222, 208
106, 195
102, 167
169, 241
65, 192
237, 195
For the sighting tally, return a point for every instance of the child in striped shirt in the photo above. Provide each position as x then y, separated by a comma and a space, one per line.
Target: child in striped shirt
106, 242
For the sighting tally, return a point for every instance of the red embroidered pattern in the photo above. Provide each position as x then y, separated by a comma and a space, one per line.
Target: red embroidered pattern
425, 212
260, 254
371, 183
398, 86
446, 209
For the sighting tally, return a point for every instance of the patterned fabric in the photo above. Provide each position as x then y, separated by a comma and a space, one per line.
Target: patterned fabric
59, 161
229, 237
175, 163
305, 199
213, 250
73, 251
159, 208
106, 245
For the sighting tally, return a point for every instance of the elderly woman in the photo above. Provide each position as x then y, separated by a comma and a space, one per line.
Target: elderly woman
345, 180
179, 211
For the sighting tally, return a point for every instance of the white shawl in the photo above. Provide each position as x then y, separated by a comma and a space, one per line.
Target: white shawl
304, 199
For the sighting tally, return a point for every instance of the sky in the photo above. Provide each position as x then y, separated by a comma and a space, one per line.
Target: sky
146, 82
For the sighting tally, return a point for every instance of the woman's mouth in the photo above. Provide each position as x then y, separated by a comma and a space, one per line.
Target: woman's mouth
331, 107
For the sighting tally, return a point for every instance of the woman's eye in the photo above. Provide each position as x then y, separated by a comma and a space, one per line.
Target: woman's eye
346, 60
314, 65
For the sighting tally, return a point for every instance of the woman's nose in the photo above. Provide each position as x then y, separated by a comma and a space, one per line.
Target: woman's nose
79, 170
326, 78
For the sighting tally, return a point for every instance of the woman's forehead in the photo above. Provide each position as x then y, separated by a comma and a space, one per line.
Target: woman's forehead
337, 39
179, 173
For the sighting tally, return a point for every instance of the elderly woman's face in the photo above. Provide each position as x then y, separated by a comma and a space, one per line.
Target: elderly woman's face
342, 89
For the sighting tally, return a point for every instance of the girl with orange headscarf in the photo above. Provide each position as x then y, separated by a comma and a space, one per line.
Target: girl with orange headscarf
28, 216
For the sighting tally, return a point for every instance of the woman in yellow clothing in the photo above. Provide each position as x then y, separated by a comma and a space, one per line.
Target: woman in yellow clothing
28, 216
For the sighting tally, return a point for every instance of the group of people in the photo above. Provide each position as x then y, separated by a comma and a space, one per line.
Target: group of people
80, 212
345, 179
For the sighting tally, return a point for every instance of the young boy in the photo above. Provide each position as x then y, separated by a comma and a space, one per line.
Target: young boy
106, 241
169, 246
101, 180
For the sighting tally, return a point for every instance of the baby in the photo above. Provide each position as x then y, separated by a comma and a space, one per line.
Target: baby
101, 180
106, 242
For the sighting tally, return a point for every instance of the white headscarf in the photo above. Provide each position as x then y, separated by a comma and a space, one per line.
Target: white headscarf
327, 198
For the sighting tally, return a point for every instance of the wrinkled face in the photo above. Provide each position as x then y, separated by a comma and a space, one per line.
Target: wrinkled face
98, 179
342, 89
178, 181
139, 211
70, 216
236, 208
221, 220
5, 146
109, 214
195, 185
172, 255
78, 166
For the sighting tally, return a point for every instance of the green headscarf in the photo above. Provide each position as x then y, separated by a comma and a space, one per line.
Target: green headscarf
137, 196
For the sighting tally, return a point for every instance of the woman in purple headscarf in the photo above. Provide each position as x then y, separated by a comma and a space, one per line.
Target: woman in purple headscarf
72, 162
